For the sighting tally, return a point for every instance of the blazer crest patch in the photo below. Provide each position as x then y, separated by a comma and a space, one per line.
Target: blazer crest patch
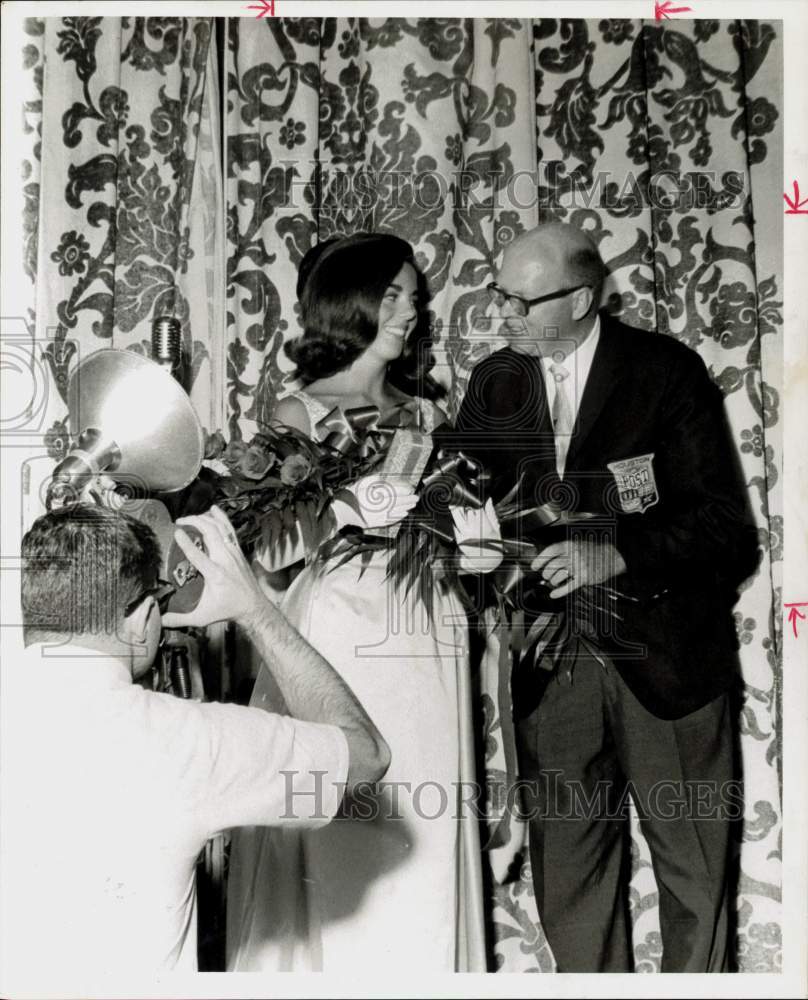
636, 485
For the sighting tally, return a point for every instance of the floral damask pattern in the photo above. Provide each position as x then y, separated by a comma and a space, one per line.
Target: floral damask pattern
371, 162
651, 136
33, 63
72, 254
457, 134
125, 113
654, 142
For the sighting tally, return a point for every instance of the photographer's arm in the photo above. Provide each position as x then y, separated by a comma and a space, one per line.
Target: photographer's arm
314, 692
311, 688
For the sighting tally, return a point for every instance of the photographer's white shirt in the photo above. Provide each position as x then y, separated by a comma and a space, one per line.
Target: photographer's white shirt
109, 793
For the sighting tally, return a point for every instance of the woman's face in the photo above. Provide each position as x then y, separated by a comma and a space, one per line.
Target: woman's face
398, 314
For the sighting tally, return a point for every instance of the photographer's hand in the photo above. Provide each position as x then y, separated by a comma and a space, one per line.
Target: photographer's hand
310, 686
231, 591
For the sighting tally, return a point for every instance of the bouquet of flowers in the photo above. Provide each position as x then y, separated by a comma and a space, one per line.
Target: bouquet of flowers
280, 481
283, 481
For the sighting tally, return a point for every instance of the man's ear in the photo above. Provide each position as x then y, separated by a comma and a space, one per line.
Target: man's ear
581, 302
138, 621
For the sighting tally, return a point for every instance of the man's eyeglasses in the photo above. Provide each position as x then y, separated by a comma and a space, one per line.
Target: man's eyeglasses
161, 591
520, 305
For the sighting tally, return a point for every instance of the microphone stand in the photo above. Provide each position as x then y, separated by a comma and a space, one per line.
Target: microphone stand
171, 672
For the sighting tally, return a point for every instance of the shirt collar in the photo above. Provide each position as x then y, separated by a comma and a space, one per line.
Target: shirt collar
583, 353
75, 666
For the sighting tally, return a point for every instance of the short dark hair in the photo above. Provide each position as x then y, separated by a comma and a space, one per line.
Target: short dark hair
82, 565
341, 283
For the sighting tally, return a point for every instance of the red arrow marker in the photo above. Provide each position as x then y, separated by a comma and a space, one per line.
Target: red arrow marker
795, 206
665, 10
794, 613
264, 7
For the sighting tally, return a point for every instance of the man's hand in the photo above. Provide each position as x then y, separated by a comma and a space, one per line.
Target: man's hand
375, 502
566, 566
231, 590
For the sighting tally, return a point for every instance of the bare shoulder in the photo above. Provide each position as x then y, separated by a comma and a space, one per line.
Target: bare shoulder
291, 412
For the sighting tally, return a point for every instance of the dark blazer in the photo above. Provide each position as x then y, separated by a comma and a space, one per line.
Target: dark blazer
679, 519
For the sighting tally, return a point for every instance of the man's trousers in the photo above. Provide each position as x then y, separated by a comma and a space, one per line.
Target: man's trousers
583, 750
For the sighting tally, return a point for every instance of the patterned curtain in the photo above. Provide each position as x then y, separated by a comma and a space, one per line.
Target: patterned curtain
457, 134
123, 214
340, 125
678, 125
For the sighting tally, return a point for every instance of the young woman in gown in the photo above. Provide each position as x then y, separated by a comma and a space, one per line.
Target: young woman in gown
400, 889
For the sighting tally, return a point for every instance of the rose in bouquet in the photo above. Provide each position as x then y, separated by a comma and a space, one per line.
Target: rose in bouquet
278, 482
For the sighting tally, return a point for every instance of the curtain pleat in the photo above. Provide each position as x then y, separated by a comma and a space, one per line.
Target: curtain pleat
456, 134
127, 221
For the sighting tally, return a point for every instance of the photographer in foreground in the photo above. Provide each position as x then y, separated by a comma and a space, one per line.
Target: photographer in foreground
110, 790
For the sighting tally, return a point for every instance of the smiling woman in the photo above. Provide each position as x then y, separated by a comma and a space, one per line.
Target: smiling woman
186, 166
358, 293
398, 878
398, 314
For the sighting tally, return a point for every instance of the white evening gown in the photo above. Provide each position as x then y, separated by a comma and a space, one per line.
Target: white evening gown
401, 890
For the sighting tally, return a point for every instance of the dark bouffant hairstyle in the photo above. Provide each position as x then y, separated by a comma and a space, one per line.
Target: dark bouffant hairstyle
341, 283
82, 566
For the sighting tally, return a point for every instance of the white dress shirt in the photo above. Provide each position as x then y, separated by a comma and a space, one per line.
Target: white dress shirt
577, 363
110, 792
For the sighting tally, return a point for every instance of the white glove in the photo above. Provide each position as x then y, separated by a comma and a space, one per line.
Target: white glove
378, 501
478, 538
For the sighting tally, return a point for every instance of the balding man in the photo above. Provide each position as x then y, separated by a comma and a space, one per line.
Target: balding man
594, 417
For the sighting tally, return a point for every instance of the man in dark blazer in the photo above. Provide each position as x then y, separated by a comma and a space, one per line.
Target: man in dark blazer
592, 417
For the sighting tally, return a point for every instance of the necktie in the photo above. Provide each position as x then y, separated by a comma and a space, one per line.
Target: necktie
562, 415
